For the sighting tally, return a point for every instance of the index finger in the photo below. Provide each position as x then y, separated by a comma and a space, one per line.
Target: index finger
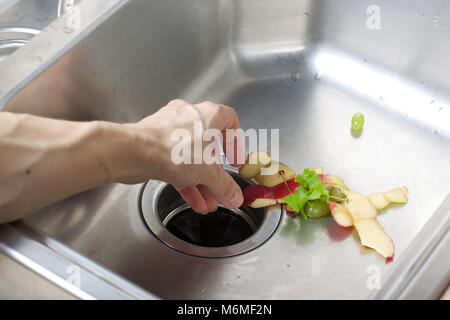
226, 119
218, 116
232, 138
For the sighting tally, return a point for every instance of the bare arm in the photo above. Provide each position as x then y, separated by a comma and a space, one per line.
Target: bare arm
45, 160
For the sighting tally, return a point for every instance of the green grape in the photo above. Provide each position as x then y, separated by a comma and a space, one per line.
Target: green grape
358, 121
317, 209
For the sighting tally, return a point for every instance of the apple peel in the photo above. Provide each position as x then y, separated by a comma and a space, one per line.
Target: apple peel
255, 192
370, 231
274, 174
253, 164
372, 235
333, 180
359, 206
340, 214
356, 210
261, 203
382, 200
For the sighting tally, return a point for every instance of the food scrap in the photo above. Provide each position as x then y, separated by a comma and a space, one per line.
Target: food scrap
314, 194
357, 122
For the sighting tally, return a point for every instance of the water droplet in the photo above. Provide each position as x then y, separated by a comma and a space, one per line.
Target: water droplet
436, 20
421, 15
437, 132
306, 14
295, 76
382, 98
365, 60
422, 83
441, 108
317, 76
432, 101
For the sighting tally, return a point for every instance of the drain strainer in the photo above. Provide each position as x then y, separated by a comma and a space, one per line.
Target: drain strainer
222, 233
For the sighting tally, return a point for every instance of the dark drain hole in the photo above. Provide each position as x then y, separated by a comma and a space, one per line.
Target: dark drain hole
216, 229
219, 234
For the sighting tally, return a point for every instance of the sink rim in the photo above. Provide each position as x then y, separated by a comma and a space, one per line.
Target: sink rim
55, 261
147, 205
32, 77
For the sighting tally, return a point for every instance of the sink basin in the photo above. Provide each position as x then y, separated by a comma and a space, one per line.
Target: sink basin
21, 20
303, 67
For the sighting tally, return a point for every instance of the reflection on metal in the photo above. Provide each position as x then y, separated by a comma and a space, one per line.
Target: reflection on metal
12, 38
66, 5
396, 93
24, 30
415, 275
54, 261
9, 46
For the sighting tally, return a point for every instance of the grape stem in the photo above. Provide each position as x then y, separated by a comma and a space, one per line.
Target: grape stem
285, 182
337, 198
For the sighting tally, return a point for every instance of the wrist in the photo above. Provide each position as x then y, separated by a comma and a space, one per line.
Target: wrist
112, 145
132, 153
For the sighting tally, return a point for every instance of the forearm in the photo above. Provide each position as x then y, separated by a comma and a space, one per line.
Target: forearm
44, 160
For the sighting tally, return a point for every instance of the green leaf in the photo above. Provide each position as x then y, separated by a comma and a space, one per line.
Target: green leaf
293, 201
310, 188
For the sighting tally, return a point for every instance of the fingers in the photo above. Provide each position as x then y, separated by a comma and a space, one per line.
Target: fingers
216, 115
232, 138
177, 103
233, 146
226, 119
219, 116
194, 198
211, 202
215, 184
222, 187
199, 198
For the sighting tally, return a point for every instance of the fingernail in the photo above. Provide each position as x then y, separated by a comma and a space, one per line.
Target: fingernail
237, 200
204, 213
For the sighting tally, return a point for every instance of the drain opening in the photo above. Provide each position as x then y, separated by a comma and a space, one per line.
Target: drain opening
222, 233
224, 227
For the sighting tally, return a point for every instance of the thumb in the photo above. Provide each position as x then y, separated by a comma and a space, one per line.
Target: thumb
223, 187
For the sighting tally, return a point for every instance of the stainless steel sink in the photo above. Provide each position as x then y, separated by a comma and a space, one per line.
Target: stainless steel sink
304, 67
21, 20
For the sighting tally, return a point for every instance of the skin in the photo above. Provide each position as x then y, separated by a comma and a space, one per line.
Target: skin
44, 160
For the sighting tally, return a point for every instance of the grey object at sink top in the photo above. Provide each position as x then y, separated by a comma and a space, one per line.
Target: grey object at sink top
304, 67
20, 20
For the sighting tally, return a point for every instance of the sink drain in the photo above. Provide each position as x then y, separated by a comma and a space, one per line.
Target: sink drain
221, 228
222, 233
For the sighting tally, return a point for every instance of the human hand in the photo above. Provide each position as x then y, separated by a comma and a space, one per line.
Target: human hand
202, 185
